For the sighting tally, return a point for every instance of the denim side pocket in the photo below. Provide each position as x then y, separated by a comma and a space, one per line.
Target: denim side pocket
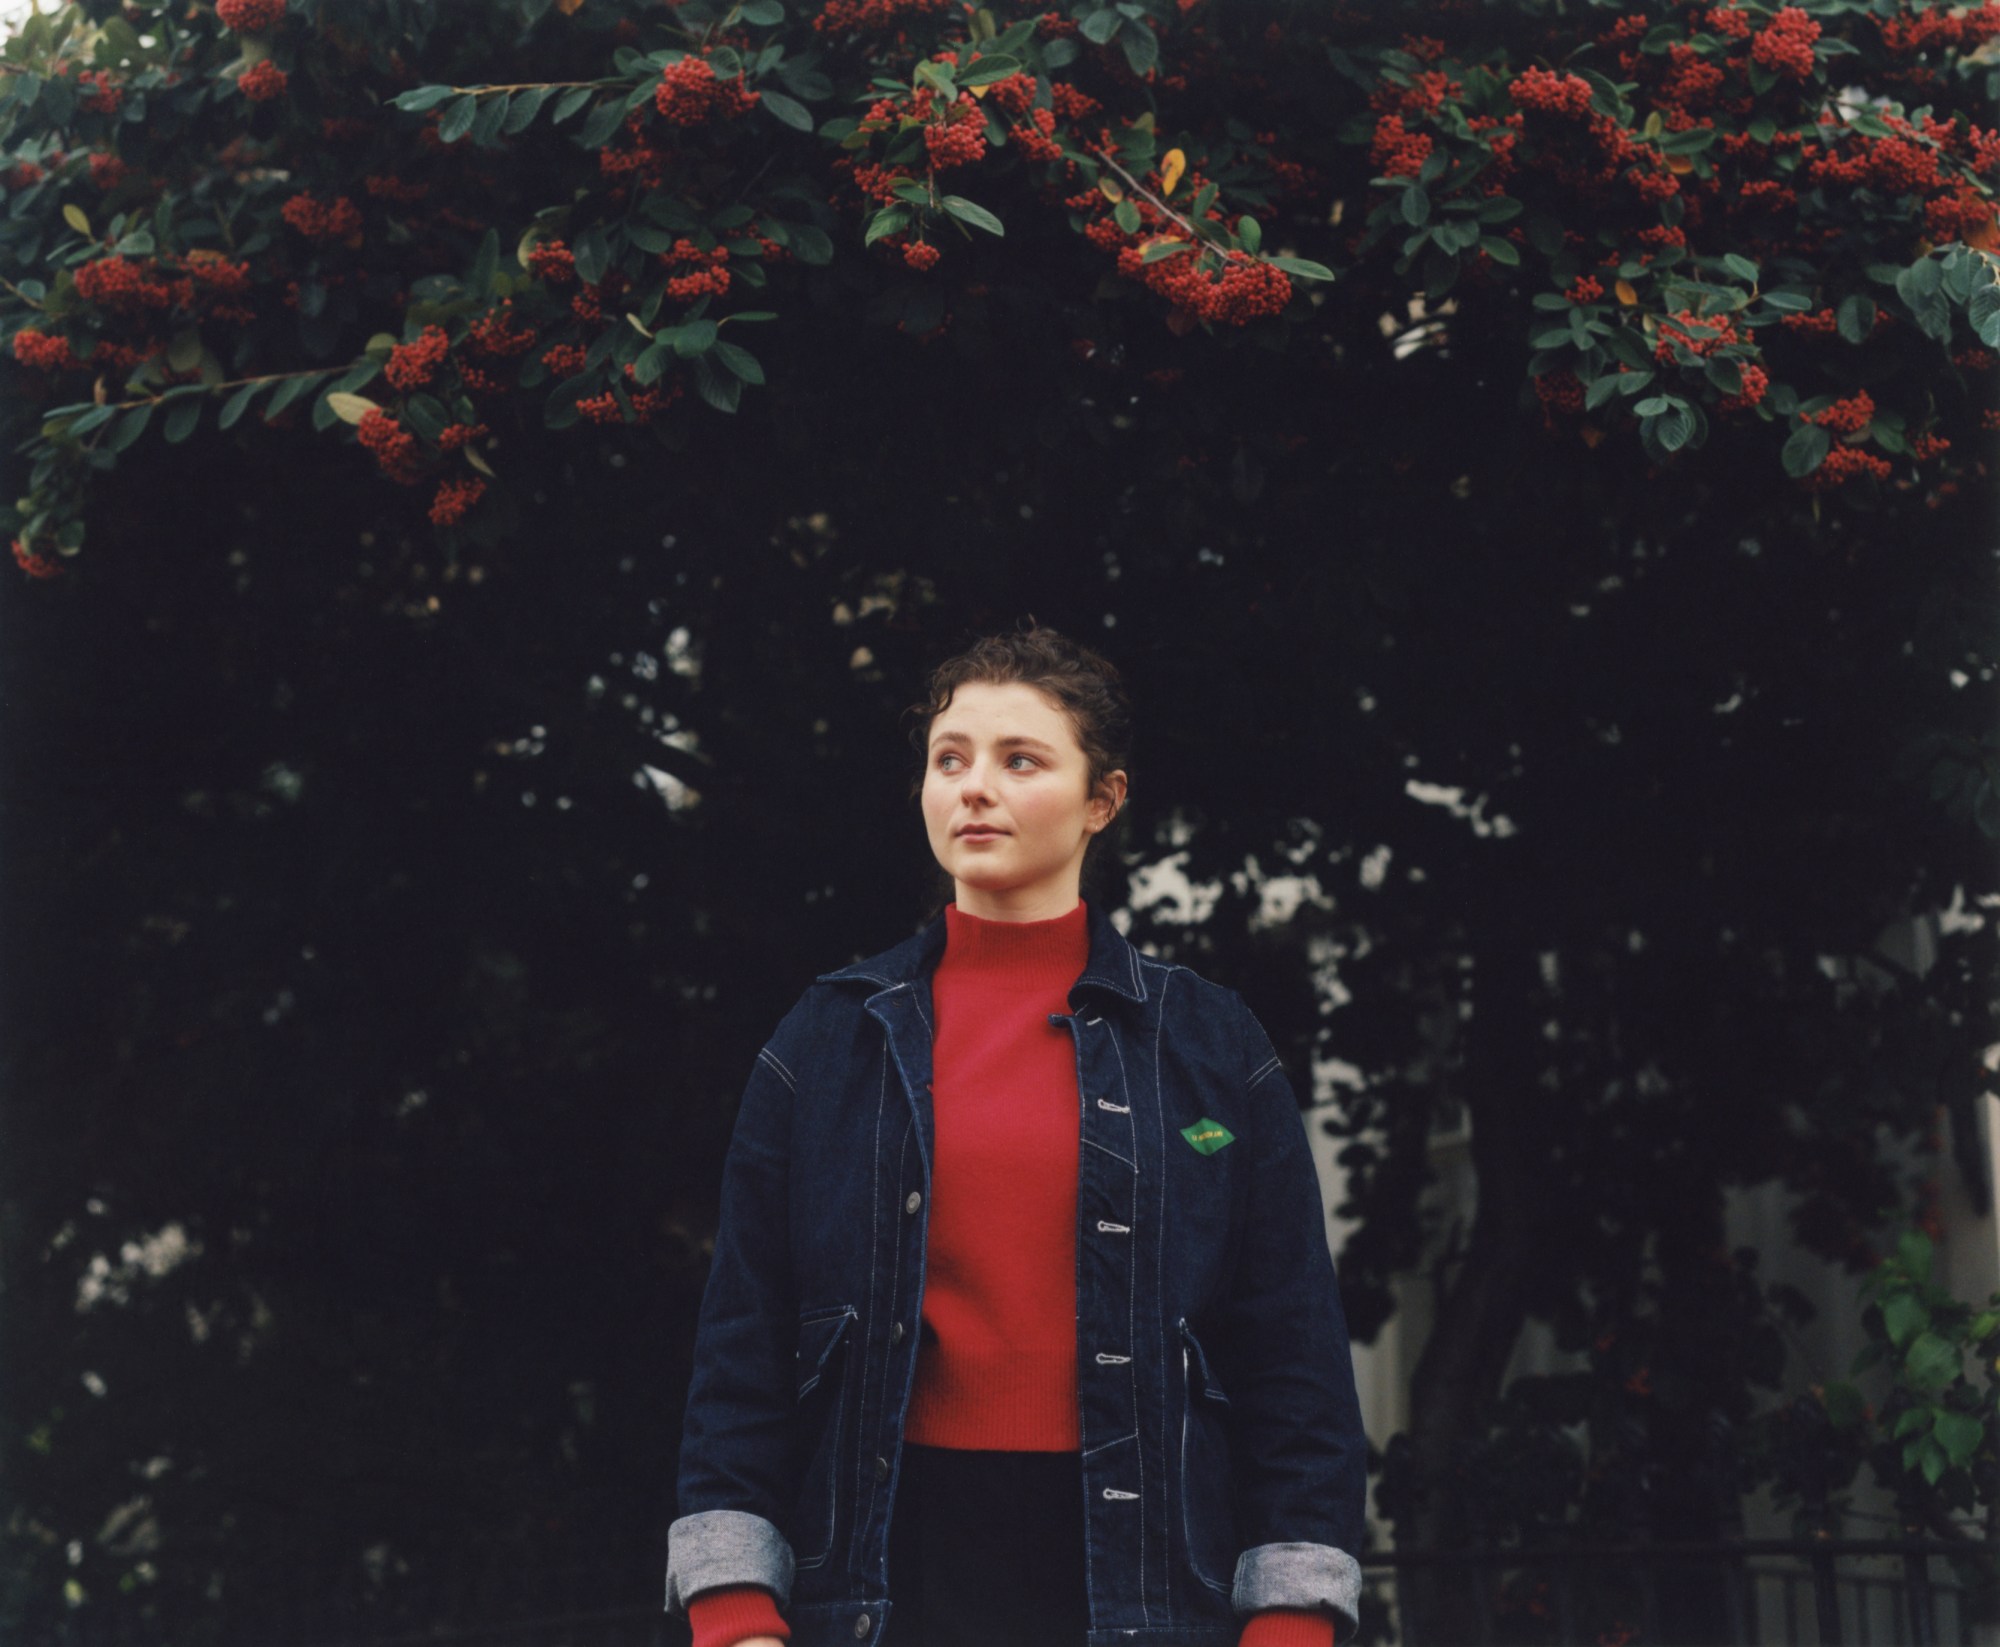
1208, 1492
822, 1403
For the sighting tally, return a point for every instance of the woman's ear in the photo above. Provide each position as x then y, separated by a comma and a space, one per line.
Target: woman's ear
1110, 798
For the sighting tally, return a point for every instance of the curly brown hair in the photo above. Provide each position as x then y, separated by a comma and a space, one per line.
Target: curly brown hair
1085, 687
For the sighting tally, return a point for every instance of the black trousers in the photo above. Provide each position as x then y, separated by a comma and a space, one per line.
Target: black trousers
986, 1550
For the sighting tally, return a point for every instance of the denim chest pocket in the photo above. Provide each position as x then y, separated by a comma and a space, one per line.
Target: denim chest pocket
822, 1402
1208, 1489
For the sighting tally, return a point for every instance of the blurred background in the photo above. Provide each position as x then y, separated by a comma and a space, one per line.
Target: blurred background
1548, 534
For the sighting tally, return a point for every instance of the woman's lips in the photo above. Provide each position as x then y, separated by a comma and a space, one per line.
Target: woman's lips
981, 834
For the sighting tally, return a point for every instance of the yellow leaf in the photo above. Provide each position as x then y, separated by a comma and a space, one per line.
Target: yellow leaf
381, 343
479, 463
1171, 169
1108, 187
1680, 164
569, 8
980, 91
73, 216
351, 408
1627, 293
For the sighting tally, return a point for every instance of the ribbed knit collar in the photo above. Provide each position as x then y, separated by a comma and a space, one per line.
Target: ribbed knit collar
1032, 953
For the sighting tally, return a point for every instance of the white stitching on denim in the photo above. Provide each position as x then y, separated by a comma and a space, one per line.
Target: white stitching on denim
862, 1482
1122, 1109
785, 1075
1109, 1359
1116, 1441
1263, 1070
1116, 1229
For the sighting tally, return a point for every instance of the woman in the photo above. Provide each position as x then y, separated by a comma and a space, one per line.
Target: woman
1021, 1328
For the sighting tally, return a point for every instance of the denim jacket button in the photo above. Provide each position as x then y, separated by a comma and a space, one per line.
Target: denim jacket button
914, 1200
895, 1332
881, 1469
861, 1625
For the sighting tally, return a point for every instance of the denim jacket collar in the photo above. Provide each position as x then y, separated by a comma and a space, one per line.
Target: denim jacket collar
1113, 966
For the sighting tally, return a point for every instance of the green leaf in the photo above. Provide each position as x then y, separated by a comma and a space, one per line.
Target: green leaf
1911, 1420
1250, 233
1914, 1252
1501, 251
492, 112
421, 99
1931, 1364
1959, 1434
1304, 268
1126, 216
990, 67
485, 262
1415, 206
572, 100
980, 218
457, 119
1856, 317
1100, 26
181, 421
1726, 375
720, 391
789, 110
1735, 262
1142, 49
1601, 389
740, 361
603, 121
130, 427
887, 221
1843, 1405
1904, 1316
525, 106
1805, 451
692, 337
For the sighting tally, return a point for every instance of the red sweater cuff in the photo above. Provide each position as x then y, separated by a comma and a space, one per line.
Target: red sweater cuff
724, 1616
1288, 1627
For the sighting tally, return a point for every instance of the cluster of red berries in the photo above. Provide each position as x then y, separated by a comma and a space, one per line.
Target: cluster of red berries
36, 566
921, 254
1847, 417
456, 494
1938, 27
336, 219
710, 271
496, 334
261, 82
404, 191
1928, 446
48, 353
1842, 464
844, 16
249, 16
1755, 382
1558, 392
395, 448
1814, 323
411, 365
1786, 47
1729, 21
960, 138
1036, 135
1585, 289
553, 261
107, 170
1244, 289
454, 435
119, 283
564, 359
1698, 334
689, 93
1551, 93
99, 93
1396, 150
646, 402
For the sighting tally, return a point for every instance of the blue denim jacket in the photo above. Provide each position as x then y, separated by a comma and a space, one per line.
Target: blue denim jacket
1224, 1464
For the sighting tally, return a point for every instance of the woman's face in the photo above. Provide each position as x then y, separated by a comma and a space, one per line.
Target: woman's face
1006, 803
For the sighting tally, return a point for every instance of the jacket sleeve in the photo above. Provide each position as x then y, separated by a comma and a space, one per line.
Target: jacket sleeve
735, 1488
1299, 1453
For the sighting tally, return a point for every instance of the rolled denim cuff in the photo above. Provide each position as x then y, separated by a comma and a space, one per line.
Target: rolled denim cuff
725, 1547
1297, 1575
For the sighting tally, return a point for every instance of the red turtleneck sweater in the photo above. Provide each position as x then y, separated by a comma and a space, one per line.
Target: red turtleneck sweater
996, 1365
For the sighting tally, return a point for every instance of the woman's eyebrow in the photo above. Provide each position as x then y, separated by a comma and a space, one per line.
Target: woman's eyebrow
1017, 738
